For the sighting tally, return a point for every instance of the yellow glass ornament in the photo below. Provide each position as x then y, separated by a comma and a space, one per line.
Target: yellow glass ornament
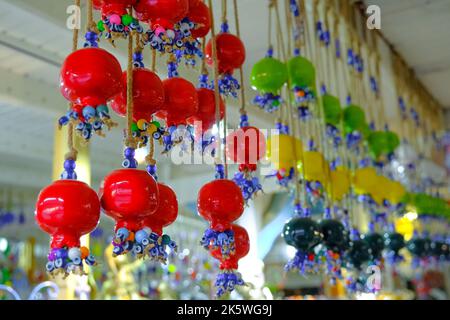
364, 179
315, 167
396, 192
339, 184
283, 151
381, 190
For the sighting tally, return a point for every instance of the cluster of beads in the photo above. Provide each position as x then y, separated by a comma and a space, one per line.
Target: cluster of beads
333, 263
177, 135
68, 260
284, 177
143, 131
334, 135
179, 40
303, 94
143, 243
227, 281
268, 102
249, 185
303, 262
88, 120
116, 25
213, 240
304, 113
92, 39
150, 244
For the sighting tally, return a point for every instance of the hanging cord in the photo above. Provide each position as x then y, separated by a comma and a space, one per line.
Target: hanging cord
241, 71
130, 142
289, 109
90, 26
73, 152
216, 87
204, 69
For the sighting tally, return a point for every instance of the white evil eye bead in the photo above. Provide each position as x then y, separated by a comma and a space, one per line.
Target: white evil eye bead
126, 163
76, 261
74, 253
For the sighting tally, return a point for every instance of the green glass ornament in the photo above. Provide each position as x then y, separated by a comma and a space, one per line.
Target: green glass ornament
393, 141
378, 143
301, 72
365, 131
301, 233
354, 118
332, 109
268, 75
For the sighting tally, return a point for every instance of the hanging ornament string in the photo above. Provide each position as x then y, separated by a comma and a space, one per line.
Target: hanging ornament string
218, 159
72, 154
130, 142
238, 33
289, 102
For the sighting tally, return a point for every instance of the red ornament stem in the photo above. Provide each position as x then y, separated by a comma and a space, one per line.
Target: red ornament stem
64, 239
228, 264
130, 224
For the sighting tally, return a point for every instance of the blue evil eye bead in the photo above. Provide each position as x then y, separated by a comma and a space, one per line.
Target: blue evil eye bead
154, 252
50, 266
121, 235
90, 260
154, 237
128, 246
172, 245
69, 165
138, 249
64, 120
61, 253
89, 112
118, 250
59, 263
141, 235
129, 153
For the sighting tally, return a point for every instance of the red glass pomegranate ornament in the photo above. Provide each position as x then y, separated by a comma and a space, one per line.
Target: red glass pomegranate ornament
246, 146
230, 56
128, 196
148, 95
205, 117
162, 13
67, 210
199, 14
151, 241
220, 202
229, 278
89, 78
181, 101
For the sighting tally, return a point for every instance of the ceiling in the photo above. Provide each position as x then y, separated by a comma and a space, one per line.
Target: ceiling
418, 30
